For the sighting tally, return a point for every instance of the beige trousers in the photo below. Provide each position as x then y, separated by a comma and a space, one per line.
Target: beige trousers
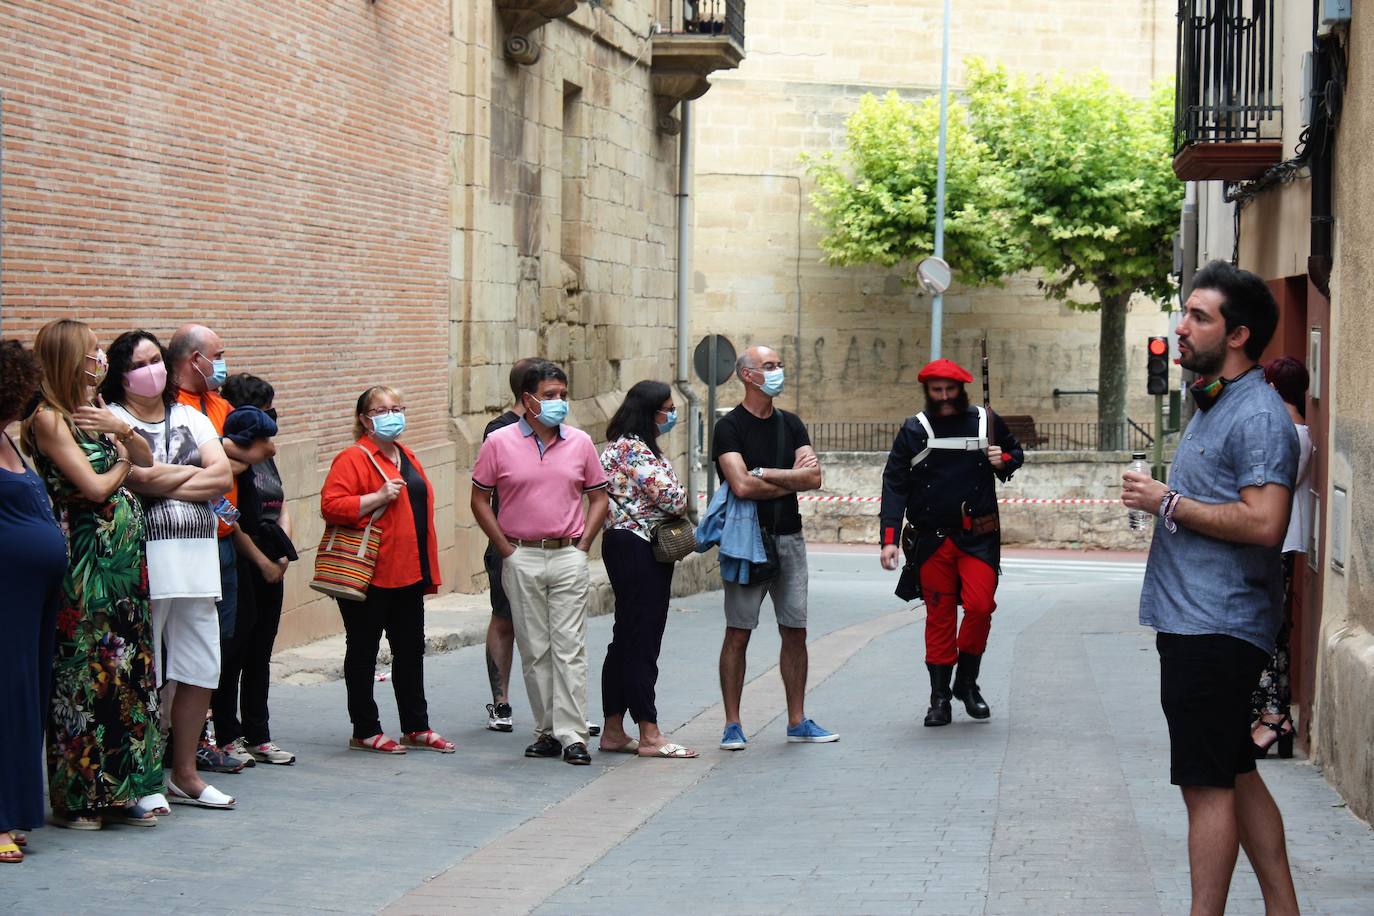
548, 600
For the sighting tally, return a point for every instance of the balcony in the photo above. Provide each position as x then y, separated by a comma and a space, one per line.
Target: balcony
1227, 117
695, 39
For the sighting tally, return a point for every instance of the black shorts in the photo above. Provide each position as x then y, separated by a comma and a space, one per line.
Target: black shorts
500, 604
1205, 684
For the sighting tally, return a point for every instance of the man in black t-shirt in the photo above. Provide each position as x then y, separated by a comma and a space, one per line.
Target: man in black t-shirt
764, 454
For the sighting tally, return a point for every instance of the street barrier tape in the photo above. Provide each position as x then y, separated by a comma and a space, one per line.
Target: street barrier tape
1007, 501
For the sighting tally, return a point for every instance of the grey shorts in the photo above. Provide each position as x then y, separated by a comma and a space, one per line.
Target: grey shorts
787, 589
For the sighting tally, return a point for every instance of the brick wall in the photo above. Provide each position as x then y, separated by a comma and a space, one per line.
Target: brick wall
276, 171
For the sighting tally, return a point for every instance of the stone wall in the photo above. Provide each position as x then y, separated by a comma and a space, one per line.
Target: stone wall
1046, 475
1345, 675
854, 338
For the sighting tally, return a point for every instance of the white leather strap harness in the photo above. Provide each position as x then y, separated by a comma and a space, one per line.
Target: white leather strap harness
952, 443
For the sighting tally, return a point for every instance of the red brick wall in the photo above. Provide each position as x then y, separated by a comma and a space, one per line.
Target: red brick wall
276, 171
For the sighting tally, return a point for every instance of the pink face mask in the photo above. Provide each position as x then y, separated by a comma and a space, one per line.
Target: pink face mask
147, 381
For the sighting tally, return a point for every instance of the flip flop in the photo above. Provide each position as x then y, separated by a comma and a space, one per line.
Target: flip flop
672, 752
10, 852
629, 747
209, 798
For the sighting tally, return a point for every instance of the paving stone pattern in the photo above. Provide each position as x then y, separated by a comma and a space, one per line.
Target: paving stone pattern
1059, 804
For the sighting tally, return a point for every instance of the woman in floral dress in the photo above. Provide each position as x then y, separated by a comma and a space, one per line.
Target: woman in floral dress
644, 491
104, 748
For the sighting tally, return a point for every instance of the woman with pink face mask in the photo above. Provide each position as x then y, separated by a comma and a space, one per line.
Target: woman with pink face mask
190, 470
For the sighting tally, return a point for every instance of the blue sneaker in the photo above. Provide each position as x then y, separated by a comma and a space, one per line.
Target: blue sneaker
808, 732
733, 739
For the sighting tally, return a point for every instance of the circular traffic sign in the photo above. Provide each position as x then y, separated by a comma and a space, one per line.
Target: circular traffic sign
934, 275
725, 359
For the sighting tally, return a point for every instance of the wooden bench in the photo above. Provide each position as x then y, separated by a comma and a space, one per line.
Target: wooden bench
1023, 428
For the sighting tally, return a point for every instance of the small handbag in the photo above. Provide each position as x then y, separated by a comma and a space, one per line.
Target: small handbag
671, 539
347, 557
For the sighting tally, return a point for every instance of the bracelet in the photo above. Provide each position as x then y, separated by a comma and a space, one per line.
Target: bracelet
128, 469
1167, 507
126, 435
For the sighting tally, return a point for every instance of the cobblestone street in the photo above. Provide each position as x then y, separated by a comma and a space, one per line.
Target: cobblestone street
1059, 804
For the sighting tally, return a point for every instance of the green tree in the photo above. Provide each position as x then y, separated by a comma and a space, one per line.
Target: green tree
1070, 178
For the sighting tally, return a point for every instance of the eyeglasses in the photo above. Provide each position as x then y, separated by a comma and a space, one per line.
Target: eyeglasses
669, 409
383, 411
768, 367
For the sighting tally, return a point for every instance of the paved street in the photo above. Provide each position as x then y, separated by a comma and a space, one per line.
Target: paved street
1059, 804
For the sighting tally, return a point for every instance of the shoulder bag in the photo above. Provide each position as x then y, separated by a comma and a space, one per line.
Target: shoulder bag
671, 539
762, 572
347, 557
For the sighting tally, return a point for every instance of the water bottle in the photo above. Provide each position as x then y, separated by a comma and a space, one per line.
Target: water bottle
1139, 518
227, 511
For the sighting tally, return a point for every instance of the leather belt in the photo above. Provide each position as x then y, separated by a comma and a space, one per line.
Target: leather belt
545, 543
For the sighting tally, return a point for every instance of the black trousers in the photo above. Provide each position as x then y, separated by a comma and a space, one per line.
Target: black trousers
245, 660
401, 613
642, 587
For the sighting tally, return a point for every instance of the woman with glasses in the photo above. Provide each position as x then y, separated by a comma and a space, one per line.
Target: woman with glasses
378, 472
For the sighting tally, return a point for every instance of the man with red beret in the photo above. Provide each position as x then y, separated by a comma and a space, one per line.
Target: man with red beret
939, 476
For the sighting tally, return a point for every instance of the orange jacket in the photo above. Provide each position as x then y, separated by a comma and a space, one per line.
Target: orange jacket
217, 409
351, 477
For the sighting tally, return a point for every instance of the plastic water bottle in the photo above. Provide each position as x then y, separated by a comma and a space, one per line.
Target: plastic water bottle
1139, 518
226, 510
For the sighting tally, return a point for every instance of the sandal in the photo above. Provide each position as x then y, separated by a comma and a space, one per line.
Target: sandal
629, 747
377, 744
1283, 738
428, 740
134, 815
156, 804
10, 852
670, 751
77, 822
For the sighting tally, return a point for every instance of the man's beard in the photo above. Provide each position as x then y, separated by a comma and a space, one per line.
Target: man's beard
1206, 363
959, 402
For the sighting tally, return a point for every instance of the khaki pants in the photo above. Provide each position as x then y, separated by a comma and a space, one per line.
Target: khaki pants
548, 598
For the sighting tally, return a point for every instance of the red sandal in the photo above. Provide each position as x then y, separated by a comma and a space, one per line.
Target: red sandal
429, 740
377, 744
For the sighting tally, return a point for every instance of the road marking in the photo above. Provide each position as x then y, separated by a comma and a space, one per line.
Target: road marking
519, 870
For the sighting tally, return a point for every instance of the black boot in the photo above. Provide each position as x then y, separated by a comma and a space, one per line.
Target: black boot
939, 712
966, 686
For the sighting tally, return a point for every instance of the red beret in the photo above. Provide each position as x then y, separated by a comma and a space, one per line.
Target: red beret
944, 368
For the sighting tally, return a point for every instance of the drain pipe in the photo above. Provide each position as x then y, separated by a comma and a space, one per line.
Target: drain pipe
684, 271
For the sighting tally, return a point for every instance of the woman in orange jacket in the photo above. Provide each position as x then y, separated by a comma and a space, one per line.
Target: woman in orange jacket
378, 472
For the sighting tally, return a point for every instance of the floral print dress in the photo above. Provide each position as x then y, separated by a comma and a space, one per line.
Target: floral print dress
104, 746
643, 488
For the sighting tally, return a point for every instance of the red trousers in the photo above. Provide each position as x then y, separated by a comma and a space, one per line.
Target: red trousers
950, 578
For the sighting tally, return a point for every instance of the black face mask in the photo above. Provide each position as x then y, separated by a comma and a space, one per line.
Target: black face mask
960, 403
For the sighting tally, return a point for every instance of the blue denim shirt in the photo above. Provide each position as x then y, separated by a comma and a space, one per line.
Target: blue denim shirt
1195, 584
732, 523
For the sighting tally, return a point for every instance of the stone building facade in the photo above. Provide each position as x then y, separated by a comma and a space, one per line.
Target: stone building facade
410, 192
854, 337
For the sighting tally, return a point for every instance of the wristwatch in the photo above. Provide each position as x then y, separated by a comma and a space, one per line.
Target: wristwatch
757, 472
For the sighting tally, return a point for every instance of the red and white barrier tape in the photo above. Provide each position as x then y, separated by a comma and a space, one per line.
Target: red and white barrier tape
1008, 501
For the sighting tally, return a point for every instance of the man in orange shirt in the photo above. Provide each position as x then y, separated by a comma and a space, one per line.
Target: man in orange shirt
198, 369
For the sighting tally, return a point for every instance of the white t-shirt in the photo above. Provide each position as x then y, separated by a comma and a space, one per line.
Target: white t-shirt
1300, 519
183, 552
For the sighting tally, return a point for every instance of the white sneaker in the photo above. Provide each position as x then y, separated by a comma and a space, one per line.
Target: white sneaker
237, 751
267, 752
499, 717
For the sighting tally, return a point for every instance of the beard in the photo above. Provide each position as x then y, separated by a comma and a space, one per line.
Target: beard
1204, 362
959, 403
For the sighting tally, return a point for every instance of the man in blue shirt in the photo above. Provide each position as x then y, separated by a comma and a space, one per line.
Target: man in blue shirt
1213, 587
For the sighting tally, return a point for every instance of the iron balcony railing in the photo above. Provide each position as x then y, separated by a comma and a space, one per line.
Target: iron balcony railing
1044, 437
1225, 91
706, 17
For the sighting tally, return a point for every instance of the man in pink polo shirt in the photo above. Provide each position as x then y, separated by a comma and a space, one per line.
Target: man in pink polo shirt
540, 468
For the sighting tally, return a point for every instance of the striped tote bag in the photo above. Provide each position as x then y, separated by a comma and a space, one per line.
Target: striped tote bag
347, 555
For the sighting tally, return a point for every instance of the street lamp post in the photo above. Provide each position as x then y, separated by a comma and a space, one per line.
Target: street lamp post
937, 306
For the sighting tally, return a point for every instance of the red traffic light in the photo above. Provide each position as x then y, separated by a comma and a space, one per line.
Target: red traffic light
1159, 346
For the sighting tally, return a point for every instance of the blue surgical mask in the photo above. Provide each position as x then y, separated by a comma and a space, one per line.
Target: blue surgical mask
772, 382
388, 426
553, 411
670, 420
218, 375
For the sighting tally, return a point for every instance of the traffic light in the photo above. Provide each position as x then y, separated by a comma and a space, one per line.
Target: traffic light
1157, 366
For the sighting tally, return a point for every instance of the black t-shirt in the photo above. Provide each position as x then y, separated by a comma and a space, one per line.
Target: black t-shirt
419, 507
506, 419
757, 441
